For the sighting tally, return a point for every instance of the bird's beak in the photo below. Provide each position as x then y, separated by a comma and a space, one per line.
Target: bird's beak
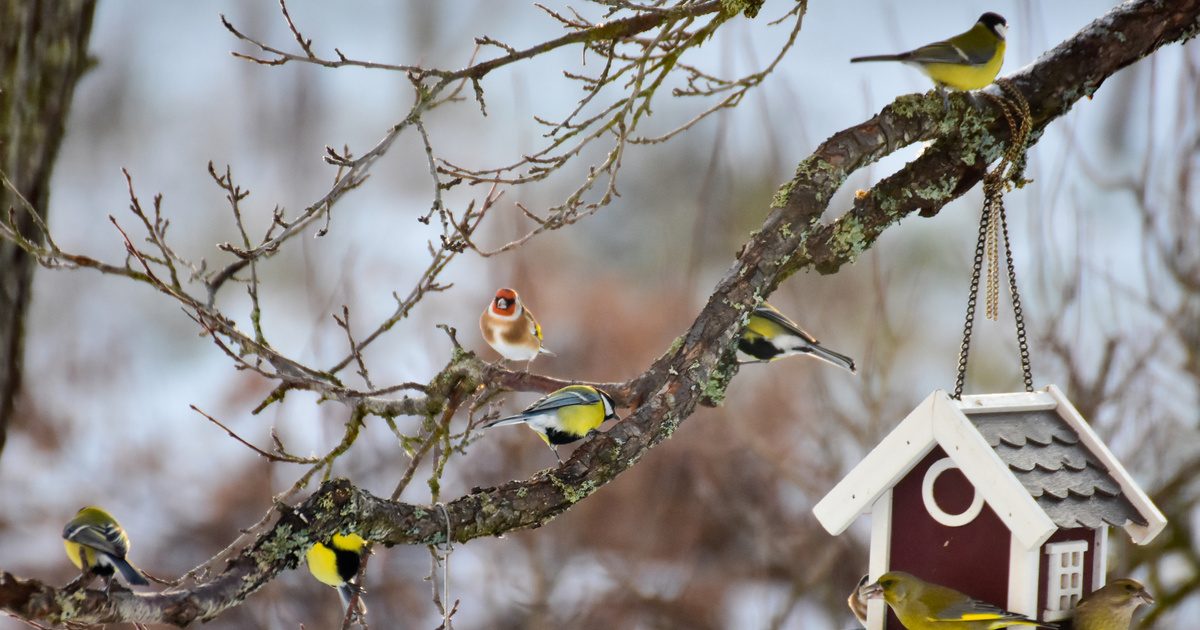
871, 591
1145, 596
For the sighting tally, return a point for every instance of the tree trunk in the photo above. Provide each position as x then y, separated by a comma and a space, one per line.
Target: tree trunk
43, 52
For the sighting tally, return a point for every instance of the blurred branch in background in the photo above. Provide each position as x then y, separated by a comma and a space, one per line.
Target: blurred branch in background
693, 371
44, 47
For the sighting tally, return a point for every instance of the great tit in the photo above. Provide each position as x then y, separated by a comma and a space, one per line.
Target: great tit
1111, 607
510, 328
967, 61
769, 335
336, 562
921, 605
564, 416
97, 544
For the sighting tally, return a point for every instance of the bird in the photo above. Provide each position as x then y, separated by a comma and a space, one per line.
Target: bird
921, 605
336, 562
967, 61
510, 328
1111, 607
769, 335
858, 602
565, 415
97, 544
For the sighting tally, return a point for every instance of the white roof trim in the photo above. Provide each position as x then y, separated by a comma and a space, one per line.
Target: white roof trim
1016, 401
938, 420
881, 469
943, 421
989, 474
1137, 497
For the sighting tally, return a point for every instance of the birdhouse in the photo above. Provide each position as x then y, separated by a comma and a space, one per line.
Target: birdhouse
1005, 497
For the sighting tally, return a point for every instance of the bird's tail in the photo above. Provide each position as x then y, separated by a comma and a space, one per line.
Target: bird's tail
517, 419
347, 591
878, 58
129, 573
546, 352
836, 358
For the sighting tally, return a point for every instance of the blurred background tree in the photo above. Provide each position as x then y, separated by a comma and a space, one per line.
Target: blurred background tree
712, 528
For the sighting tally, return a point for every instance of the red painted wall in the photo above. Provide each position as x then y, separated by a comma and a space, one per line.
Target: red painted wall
972, 558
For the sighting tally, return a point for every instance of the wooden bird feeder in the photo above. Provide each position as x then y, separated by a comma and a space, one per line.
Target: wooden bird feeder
1006, 497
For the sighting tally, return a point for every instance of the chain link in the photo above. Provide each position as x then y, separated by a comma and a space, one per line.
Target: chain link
993, 226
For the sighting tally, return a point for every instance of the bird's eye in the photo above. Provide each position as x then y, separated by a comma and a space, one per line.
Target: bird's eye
1129, 587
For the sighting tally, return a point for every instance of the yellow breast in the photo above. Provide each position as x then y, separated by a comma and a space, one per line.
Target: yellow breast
963, 77
322, 563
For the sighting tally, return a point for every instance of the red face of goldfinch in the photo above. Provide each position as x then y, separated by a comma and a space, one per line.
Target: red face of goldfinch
510, 329
505, 303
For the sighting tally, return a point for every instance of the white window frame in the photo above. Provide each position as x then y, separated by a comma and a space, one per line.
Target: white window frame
1064, 577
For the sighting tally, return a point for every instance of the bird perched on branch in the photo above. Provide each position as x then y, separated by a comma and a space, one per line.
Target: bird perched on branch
769, 335
967, 61
336, 563
510, 329
921, 605
1111, 607
97, 544
564, 416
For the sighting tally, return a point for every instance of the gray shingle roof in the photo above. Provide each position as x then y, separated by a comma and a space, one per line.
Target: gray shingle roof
1068, 482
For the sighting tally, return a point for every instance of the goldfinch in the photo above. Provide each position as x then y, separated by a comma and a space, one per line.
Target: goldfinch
336, 563
97, 544
769, 336
1111, 607
564, 416
510, 329
921, 605
967, 61
858, 601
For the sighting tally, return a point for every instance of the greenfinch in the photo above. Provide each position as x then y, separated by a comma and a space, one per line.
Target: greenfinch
769, 335
967, 61
921, 605
510, 328
1111, 607
97, 544
565, 415
336, 563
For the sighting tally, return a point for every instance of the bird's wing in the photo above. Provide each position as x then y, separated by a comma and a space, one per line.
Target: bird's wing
561, 398
106, 538
975, 610
948, 52
770, 314
535, 328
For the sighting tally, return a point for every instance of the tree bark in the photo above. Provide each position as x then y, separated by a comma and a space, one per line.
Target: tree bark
43, 52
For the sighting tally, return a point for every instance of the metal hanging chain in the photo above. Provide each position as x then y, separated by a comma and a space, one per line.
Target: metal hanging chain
1022, 339
993, 226
976, 268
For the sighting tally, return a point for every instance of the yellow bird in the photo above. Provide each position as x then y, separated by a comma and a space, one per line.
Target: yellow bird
97, 544
336, 563
770, 335
967, 61
921, 605
564, 416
